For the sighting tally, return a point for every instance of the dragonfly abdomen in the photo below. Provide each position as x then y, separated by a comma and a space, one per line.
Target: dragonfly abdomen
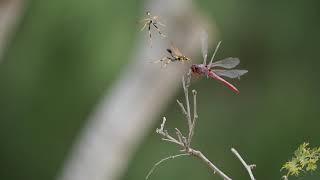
224, 82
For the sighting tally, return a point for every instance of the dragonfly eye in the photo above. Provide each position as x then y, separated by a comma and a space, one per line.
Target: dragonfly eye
194, 68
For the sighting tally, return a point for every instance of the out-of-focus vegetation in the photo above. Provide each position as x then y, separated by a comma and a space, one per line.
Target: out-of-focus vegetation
63, 58
305, 160
67, 53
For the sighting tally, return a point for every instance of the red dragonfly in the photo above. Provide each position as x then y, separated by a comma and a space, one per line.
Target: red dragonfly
225, 70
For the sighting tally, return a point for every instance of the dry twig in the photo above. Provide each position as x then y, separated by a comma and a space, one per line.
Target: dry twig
248, 167
163, 160
185, 141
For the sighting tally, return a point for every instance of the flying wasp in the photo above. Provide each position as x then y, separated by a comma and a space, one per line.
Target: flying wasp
152, 21
175, 56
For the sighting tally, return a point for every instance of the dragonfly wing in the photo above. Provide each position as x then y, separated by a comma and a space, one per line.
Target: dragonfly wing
204, 45
227, 63
234, 73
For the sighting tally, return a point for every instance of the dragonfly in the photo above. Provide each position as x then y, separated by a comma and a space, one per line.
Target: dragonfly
152, 21
218, 69
175, 56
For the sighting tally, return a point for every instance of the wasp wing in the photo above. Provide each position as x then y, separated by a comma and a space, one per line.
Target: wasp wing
227, 63
234, 73
175, 50
204, 45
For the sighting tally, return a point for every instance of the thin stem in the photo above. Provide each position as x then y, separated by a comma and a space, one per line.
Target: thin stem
195, 116
199, 155
248, 167
182, 140
166, 135
172, 141
183, 109
163, 160
186, 94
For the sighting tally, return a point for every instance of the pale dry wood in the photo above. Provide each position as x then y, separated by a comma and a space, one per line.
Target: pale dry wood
182, 141
10, 13
248, 167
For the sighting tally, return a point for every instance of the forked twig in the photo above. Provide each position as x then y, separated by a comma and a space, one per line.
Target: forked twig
185, 141
199, 155
166, 135
248, 167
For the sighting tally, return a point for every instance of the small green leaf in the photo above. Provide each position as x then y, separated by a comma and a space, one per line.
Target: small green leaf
305, 159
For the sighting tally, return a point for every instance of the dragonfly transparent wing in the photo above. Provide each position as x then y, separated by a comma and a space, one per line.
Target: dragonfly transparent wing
204, 45
234, 73
227, 63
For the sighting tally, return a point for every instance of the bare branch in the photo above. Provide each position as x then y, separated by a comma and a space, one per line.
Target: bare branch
165, 134
199, 155
195, 116
186, 94
248, 167
182, 140
183, 109
163, 123
179, 136
163, 160
170, 140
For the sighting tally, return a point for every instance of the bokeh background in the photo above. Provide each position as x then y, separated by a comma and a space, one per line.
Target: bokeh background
65, 55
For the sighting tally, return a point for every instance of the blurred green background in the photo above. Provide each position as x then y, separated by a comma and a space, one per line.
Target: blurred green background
66, 54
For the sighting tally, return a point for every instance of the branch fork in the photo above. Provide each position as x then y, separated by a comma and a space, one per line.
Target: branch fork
184, 141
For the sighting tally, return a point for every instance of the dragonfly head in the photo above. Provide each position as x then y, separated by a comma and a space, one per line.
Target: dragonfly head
195, 68
148, 13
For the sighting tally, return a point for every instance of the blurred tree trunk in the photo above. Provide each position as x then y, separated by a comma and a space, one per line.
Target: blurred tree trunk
10, 11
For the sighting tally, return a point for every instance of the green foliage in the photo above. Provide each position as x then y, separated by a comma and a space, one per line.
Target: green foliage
305, 160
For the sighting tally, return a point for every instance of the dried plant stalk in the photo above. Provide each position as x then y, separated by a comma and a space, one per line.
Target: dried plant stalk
185, 141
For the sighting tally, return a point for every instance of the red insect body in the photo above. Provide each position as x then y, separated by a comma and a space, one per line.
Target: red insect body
203, 70
226, 83
225, 66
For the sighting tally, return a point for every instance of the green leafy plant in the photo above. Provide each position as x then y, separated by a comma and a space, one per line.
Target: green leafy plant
304, 160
